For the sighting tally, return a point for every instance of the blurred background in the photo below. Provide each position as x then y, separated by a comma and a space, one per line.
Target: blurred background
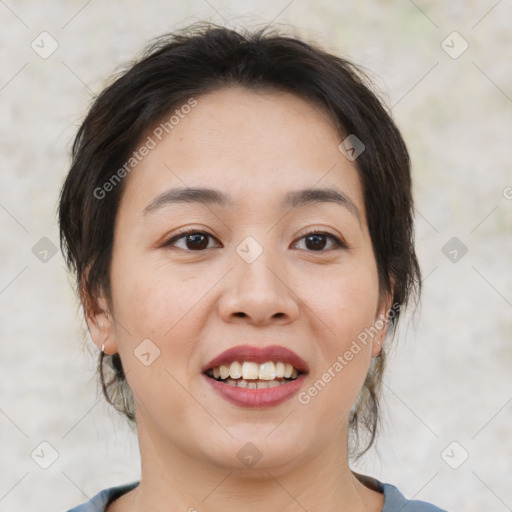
443, 68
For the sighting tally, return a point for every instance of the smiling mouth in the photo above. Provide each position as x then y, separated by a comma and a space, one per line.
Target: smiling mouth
253, 375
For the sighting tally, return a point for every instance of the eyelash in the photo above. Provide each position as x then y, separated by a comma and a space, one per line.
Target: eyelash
183, 234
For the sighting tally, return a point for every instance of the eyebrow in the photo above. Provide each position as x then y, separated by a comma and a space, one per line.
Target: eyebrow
293, 199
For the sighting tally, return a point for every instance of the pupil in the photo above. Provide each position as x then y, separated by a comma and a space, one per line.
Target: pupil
197, 241
317, 242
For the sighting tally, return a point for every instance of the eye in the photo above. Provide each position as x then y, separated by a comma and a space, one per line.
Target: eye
191, 241
318, 240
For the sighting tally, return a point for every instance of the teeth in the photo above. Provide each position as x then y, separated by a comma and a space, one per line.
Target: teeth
235, 370
254, 384
267, 371
224, 371
240, 374
250, 370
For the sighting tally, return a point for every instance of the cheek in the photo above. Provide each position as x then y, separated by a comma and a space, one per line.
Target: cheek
353, 310
346, 306
337, 379
157, 304
153, 298
346, 301
156, 332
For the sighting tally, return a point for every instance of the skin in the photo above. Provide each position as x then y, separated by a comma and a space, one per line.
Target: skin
255, 147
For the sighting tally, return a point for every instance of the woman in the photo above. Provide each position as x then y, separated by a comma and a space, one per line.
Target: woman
239, 217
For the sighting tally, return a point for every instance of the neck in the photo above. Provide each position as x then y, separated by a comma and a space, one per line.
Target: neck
174, 480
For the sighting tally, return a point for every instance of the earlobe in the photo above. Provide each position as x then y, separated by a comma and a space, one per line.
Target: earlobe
100, 323
376, 347
381, 325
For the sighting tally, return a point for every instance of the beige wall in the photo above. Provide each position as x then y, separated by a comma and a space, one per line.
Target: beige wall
449, 379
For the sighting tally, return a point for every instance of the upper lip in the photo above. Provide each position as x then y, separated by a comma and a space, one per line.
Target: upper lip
242, 353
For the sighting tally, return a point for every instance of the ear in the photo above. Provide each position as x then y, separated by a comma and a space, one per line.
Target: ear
99, 320
381, 321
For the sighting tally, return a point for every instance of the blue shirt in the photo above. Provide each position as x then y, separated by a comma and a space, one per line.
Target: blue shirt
394, 500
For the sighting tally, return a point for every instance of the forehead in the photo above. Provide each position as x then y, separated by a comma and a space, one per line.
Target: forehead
256, 145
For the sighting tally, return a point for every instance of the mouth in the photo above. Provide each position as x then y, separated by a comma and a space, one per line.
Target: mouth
252, 375
256, 376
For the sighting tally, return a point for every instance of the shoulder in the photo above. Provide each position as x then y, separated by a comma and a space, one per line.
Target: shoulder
394, 500
100, 501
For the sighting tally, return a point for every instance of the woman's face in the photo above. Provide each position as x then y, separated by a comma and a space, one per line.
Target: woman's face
250, 281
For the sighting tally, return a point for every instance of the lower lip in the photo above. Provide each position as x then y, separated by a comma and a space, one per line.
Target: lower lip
257, 398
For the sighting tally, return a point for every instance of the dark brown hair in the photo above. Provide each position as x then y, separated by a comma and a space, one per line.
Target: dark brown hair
191, 63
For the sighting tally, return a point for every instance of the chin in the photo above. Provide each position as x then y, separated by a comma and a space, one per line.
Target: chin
255, 448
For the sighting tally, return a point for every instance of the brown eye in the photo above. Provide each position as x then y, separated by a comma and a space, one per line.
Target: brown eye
319, 240
197, 241
191, 241
316, 242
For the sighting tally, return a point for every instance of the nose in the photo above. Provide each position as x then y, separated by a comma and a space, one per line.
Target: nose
258, 293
